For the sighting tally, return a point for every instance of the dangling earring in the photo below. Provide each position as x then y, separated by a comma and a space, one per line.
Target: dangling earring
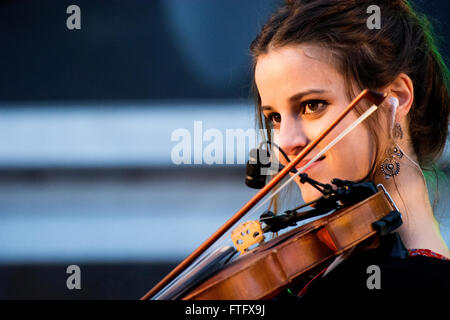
397, 131
391, 165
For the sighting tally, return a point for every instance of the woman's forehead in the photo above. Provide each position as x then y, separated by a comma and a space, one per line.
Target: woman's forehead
292, 68
291, 58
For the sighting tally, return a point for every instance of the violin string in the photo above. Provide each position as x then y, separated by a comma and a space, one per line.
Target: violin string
248, 216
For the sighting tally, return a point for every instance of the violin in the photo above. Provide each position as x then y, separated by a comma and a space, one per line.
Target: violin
355, 212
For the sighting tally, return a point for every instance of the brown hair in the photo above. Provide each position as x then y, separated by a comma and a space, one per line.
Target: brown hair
371, 58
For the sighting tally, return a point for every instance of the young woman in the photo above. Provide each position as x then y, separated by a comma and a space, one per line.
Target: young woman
311, 59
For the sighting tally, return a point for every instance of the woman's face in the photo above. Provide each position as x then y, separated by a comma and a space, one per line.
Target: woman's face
301, 94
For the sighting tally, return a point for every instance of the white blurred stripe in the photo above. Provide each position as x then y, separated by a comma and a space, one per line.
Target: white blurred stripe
93, 238
114, 135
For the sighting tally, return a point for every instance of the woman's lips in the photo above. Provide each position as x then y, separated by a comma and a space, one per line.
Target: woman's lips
312, 165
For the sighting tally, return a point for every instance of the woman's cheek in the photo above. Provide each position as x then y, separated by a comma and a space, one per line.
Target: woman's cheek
353, 161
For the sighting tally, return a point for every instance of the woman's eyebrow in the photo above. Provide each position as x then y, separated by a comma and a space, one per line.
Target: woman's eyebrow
298, 96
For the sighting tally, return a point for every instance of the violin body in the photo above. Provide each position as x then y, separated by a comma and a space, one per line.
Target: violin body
277, 264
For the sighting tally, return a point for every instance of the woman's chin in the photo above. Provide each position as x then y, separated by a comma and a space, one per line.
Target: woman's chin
309, 193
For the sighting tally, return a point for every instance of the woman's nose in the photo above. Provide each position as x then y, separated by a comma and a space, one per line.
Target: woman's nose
291, 136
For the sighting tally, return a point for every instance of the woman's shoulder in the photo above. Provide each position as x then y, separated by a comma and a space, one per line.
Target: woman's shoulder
390, 269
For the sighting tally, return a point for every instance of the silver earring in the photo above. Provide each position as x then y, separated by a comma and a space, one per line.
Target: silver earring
391, 165
397, 131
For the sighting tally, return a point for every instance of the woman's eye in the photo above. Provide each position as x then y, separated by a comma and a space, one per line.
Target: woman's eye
313, 106
274, 117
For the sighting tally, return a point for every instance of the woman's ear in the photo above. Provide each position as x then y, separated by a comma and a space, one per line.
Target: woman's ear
403, 89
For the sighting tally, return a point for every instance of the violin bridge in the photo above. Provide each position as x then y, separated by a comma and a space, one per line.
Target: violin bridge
246, 235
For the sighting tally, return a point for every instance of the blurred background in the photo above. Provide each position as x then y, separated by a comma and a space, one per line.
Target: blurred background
86, 121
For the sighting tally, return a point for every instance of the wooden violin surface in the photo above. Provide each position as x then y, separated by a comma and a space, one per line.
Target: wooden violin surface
275, 265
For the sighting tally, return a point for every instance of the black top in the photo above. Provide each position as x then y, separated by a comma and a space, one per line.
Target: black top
387, 272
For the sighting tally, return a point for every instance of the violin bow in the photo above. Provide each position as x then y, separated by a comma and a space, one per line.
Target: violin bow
375, 97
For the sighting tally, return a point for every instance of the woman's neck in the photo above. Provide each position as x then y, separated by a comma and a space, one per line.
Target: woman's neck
408, 189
